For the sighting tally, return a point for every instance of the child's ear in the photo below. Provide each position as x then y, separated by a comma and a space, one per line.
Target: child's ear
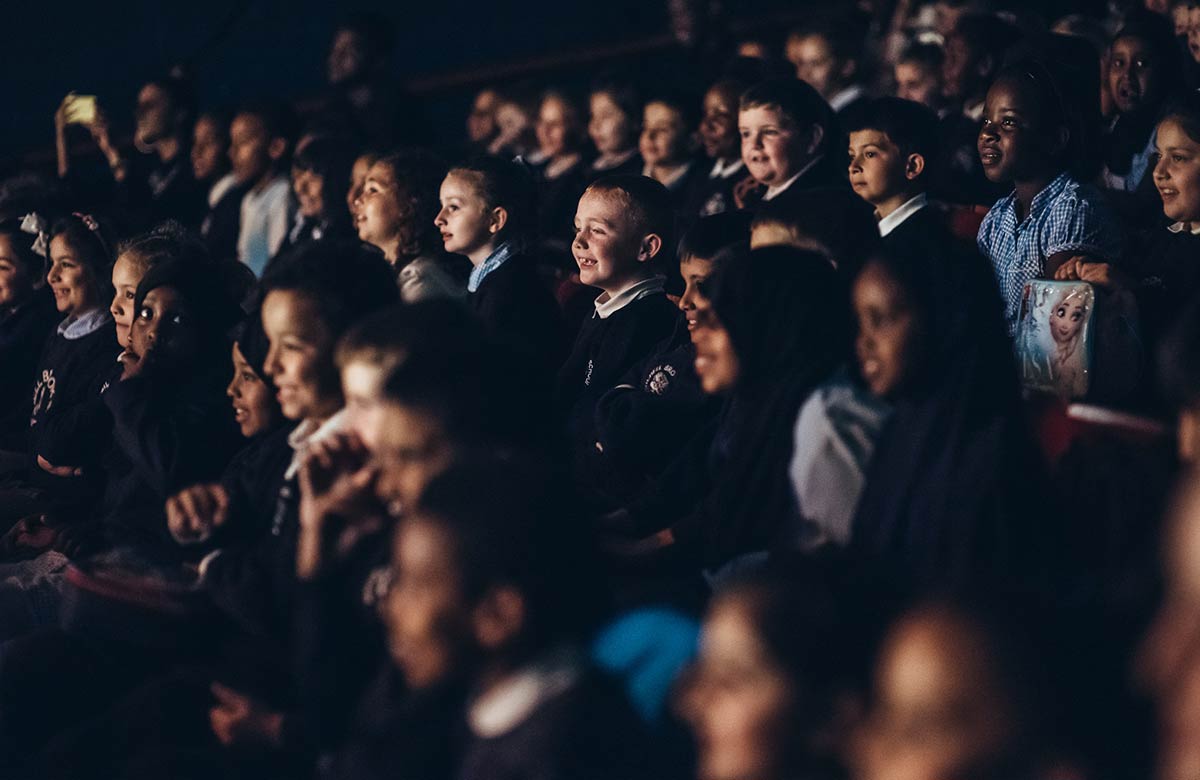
499, 617
498, 221
816, 136
277, 149
1062, 136
848, 69
651, 244
914, 166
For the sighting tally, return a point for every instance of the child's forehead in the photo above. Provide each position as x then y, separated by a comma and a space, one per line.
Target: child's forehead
607, 204
766, 113
870, 136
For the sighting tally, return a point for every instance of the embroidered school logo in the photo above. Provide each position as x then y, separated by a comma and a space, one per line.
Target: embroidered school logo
587, 378
714, 205
43, 394
104, 388
660, 379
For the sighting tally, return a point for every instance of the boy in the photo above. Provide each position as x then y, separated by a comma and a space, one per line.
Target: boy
666, 145
622, 225
259, 140
641, 423
892, 143
827, 54
918, 74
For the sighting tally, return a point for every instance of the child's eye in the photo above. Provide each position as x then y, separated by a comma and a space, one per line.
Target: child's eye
129, 295
1008, 122
145, 313
1178, 158
869, 155
248, 377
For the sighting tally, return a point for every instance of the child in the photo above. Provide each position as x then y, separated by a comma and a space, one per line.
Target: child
487, 215
481, 122
622, 224
395, 214
358, 180
827, 55
512, 599
613, 127
561, 171
260, 139
210, 163
918, 75
666, 145
722, 144
1028, 138
320, 169
788, 134
892, 147
27, 315
641, 423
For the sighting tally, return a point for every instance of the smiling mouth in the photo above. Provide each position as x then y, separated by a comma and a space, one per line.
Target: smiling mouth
989, 156
585, 262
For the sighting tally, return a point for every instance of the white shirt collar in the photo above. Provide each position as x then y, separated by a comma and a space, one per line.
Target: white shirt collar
1190, 227
778, 189
897, 217
78, 326
675, 176
607, 305
606, 162
513, 700
310, 432
974, 112
846, 97
720, 171
220, 188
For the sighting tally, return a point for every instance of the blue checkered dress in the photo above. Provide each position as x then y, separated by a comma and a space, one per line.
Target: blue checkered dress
1064, 217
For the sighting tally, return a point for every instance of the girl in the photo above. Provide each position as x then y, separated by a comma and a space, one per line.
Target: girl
776, 663
1030, 138
138, 255
787, 133
667, 143
395, 215
613, 128
560, 168
722, 144
320, 168
756, 347
492, 588
27, 315
487, 213
955, 490
358, 180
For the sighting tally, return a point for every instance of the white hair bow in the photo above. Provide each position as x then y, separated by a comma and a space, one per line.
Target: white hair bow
33, 224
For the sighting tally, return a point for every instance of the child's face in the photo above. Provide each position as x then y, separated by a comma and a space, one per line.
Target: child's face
958, 77
1134, 74
153, 115
347, 57
1177, 172
1193, 33
299, 358
813, 59
208, 150
16, 283
358, 180
362, 385
918, 83
771, 146
877, 168
1067, 319
481, 122
465, 221
379, 218
737, 701
553, 128
695, 271
939, 710
163, 329
127, 274
411, 448
427, 614
607, 248
249, 148
718, 127
716, 360
610, 128
664, 137
309, 187
1010, 148
253, 408
72, 283
886, 342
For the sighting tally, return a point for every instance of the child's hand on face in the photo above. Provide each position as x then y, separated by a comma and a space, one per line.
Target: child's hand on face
131, 365
238, 719
193, 514
337, 482
744, 189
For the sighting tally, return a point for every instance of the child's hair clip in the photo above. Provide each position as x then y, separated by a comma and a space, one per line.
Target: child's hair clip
33, 224
88, 220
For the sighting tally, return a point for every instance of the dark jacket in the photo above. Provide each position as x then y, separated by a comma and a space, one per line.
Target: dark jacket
23, 333
517, 308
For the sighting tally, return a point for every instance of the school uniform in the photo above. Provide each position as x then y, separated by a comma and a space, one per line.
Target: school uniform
516, 307
848, 100
428, 277
222, 223
23, 332
558, 198
265, 218
1166, 266
714, 193
818, 173
920, 223
681, 184
1066, 216
627, 164
155, 190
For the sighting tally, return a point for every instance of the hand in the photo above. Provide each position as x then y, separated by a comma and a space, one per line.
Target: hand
744, 189
641, 547
29, 534
58, 471
336, 485
193, 514
1080, 268
238, 719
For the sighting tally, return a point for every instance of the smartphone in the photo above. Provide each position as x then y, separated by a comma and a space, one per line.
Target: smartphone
80, 109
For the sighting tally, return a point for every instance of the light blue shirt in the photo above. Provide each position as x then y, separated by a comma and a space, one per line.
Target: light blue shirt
494, 261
